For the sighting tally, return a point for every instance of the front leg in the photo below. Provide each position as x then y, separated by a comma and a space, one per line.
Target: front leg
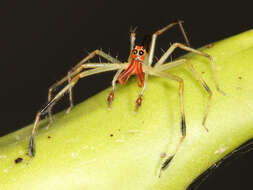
132, 38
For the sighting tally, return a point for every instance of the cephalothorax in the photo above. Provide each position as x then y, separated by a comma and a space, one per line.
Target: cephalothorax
140, 62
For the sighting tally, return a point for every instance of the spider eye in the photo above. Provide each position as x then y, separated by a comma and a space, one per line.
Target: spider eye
141, 52
135, 51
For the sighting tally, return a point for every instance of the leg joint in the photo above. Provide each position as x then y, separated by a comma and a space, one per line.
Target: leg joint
208, 56
75, 79
176, 44
50, 90
181, 82
52, 87
97, 51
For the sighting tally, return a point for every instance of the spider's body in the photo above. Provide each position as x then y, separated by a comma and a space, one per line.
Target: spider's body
137, 58
140, 63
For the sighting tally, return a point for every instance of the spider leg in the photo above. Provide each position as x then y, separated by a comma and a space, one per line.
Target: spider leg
182, 46
71, 104
111, 95
154, 36
98, 68
76, 69
183, 124
183, 33
199, 78
132, 38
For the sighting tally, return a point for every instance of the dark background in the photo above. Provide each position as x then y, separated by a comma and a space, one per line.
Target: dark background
40, 41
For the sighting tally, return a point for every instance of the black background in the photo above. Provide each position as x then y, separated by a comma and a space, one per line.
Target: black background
40, 41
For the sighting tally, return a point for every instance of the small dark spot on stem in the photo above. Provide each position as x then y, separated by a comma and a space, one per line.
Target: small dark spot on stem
18, 160
240, 77
111, 135
163, 155
203, 72
210, 45
49, 137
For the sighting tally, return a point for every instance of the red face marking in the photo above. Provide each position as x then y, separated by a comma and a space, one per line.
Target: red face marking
135, 67
138, 53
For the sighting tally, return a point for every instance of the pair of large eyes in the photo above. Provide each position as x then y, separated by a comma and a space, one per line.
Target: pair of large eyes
141, 52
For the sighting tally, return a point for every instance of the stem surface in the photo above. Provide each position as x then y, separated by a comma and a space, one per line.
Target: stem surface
93, 148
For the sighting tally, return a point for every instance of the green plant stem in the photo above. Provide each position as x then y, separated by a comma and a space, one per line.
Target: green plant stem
93, 148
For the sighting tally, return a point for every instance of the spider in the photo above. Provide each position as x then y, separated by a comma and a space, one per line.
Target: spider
140, 63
